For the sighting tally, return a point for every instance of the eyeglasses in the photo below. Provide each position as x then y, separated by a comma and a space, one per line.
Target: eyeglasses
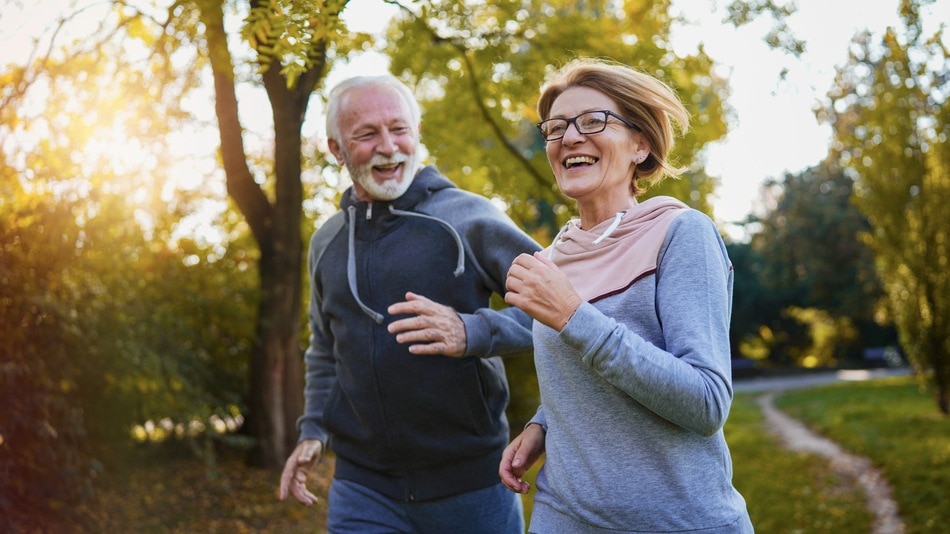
586, 123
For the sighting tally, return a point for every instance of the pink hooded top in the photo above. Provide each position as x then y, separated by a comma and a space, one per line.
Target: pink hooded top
610, 257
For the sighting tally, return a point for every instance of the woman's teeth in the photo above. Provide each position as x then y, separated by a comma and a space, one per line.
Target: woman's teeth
579, 160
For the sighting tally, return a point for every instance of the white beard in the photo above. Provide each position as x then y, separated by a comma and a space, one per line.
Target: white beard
390, 189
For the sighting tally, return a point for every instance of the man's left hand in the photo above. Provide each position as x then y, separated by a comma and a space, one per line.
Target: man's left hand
432, 329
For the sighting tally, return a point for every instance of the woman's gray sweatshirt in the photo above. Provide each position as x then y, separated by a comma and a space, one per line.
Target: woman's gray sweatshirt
634, 394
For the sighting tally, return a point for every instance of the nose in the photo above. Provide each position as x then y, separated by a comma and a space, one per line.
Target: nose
387, 143
572, 134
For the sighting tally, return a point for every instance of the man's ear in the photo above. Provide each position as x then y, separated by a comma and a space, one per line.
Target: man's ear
336, 150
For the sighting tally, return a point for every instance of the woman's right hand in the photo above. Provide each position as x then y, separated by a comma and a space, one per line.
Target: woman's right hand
539, 288
519, 456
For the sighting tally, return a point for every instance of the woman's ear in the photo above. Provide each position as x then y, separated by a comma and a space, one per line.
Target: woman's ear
642, 151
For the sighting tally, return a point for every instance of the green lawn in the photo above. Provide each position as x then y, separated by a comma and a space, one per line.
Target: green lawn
891, 421
896, 424
788, 492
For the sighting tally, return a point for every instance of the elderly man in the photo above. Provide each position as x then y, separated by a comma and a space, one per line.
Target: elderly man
404, 379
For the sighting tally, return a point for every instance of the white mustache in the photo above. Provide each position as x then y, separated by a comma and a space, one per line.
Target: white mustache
395, 159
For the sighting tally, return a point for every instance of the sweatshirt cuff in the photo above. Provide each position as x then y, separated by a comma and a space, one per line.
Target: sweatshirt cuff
580, 332
538, 419
477, 334
310, 429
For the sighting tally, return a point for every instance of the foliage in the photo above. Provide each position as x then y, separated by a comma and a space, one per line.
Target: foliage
806, 290
83, 361
42, 428
779, 36
109, 318
291, 32
481, 71
889, 111
891, 422
752, 306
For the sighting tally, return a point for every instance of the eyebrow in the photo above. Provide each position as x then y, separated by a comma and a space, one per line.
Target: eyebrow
582, 112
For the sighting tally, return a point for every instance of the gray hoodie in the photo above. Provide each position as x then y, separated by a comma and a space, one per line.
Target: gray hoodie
634, 394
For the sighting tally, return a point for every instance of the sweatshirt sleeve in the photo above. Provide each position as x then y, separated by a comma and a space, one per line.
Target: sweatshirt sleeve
319, 379
688, 381
493, 241
320, 365
501, 332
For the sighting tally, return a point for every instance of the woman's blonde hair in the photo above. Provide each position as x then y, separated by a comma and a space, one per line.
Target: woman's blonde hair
646, 101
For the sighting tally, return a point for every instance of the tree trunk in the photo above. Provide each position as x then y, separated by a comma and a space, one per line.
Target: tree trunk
275, 397
276, 386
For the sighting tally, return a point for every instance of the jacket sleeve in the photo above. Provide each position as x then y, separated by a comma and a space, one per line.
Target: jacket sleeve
539, 419
688, 381
320, 375
320, 364
493, 241
501, 332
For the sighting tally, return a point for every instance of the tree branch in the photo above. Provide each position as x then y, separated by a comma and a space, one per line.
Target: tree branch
476, 91
247, 194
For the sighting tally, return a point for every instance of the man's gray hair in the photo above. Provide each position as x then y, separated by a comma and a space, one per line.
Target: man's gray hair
336, 96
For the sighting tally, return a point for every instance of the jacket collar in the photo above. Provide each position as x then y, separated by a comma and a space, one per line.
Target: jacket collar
426, 182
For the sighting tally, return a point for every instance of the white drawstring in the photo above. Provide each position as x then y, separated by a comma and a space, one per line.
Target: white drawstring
610, 229
613, 226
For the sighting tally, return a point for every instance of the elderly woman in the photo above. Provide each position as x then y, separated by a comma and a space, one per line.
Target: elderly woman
632, 305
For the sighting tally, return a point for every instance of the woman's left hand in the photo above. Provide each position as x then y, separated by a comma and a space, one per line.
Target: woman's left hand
537, 286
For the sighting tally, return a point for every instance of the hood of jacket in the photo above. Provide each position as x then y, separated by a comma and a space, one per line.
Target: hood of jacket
426, 182
610, 257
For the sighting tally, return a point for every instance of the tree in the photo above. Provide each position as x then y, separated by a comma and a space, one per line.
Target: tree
109, 318
275, 401
889, 111
815, 269
479, 80
131, 73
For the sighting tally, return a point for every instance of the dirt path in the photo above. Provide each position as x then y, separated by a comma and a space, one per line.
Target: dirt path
797, 436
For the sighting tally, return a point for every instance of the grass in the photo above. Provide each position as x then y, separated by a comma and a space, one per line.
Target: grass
896, 424
788, 492
890, 421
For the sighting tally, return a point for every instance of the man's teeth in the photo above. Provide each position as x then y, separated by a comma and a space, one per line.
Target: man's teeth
388, 167
579, 160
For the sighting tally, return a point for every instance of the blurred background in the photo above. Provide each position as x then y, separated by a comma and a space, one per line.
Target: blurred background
163, 163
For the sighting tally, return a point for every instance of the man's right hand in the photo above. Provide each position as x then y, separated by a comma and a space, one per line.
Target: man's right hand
293, 479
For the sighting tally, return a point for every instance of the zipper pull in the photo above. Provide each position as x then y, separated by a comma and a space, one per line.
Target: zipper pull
369, 210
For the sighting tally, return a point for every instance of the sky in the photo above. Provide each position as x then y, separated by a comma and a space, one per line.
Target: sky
774, 129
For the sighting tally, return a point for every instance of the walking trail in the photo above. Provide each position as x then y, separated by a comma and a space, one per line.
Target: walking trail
858, 469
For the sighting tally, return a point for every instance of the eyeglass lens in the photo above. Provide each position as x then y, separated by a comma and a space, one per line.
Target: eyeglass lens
586, 123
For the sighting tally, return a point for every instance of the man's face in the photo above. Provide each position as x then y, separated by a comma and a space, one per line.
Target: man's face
378, 142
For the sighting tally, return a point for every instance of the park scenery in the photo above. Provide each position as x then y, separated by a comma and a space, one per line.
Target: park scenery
163, 165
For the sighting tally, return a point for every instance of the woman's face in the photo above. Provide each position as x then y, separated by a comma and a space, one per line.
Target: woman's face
596, 167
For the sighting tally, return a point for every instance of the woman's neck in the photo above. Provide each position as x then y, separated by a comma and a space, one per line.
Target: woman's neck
592, 215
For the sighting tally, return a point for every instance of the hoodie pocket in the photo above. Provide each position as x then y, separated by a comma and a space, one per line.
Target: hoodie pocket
487, 397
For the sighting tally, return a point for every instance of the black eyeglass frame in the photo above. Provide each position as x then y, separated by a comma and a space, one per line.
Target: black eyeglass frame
573, 120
